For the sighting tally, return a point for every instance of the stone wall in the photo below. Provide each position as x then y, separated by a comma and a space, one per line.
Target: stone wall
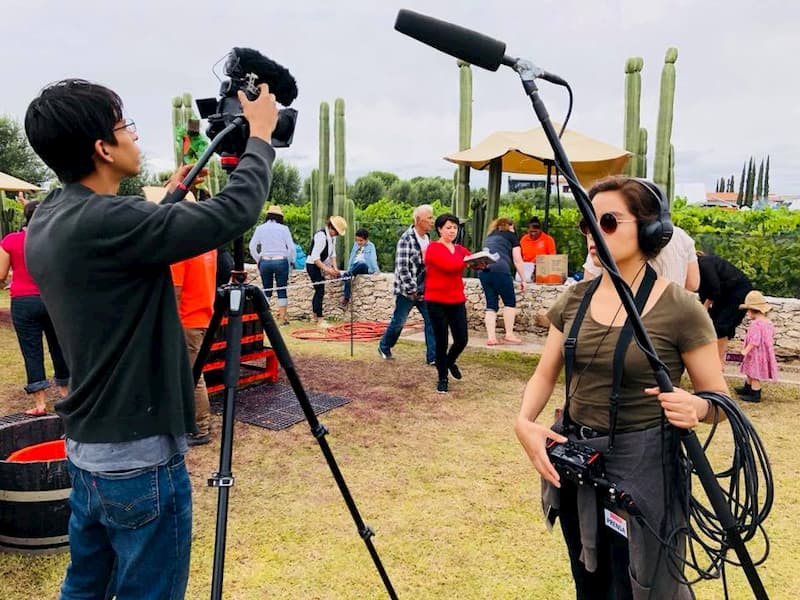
372, 300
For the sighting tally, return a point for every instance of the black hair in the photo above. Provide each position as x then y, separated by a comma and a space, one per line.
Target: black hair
441, 220
29, 209
66, 119
273, 217
362, 233
535, 221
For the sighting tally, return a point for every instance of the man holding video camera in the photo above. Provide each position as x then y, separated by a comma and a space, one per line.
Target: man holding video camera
102, 264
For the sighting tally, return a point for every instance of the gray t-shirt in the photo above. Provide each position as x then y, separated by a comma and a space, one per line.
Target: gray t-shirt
151, 451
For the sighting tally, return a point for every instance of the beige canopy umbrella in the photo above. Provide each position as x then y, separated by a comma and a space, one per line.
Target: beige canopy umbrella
12, 184
530, 152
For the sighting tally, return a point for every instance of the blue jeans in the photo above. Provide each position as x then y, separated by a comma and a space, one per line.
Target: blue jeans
130, 533
31, 320
277, 269
403, 306
360, 268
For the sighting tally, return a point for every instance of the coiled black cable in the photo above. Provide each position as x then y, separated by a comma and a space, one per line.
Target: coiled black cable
748, 487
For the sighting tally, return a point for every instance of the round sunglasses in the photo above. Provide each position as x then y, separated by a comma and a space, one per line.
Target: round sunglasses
608, 223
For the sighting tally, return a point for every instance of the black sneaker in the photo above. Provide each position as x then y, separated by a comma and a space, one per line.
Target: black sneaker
441, 387
745, 389
455, 371
430, 363
385, 354
198, 439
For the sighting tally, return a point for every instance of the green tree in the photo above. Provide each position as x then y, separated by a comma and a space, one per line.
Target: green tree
17, 158
367, 190
400, 191
427, 190
766, 179
740, 197
387, 178
285, 188
760, 185
750, 187
132, 186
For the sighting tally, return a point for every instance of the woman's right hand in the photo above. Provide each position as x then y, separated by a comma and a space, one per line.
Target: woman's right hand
533, 438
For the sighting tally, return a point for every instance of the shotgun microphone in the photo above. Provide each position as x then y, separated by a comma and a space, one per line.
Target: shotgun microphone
462, 43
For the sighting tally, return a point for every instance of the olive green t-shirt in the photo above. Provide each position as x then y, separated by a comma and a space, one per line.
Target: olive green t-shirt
677, 323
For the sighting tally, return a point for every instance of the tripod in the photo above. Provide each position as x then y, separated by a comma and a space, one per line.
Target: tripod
230, 300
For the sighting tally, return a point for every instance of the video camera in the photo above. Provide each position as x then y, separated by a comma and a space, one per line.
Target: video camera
246, 69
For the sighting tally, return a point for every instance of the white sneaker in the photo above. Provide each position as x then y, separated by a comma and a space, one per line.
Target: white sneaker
323, 324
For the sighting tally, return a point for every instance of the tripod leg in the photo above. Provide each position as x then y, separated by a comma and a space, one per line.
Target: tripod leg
223, 479
317, 429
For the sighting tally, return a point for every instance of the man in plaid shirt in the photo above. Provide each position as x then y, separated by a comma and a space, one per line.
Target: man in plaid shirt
409, 283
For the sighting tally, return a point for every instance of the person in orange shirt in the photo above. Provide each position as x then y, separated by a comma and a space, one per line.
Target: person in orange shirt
195, 286
536, 242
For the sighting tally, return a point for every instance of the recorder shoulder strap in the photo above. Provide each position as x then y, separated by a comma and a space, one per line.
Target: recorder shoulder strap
570, 343
642, 294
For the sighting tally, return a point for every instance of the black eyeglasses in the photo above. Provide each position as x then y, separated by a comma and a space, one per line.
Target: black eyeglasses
608, 223
129, 125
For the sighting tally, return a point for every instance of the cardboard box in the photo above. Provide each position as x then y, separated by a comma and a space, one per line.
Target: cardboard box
551, 268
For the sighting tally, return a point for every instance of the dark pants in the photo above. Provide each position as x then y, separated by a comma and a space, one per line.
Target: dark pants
275, 270
611, 580
315, 273
30, 322
360, 268
454, 318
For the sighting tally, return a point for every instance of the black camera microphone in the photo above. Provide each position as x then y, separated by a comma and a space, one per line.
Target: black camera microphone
242, 62
462, 43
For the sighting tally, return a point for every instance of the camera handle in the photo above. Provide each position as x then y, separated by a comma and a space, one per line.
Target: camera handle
231, 299
528, 73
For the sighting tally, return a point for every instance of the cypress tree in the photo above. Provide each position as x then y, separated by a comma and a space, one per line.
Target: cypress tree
760, 185
732, 184
766, 179
740, 197
751, 176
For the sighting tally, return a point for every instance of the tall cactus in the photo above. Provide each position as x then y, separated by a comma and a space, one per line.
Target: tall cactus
633, 131
663, 168
319, 205
641, 156
217, 177
461, 198
181, 113
492, 200
339, 182
6, 217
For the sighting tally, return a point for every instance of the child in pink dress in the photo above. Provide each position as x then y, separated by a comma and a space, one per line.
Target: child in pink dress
759, 362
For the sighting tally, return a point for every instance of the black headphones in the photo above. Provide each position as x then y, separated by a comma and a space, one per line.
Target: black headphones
655, 235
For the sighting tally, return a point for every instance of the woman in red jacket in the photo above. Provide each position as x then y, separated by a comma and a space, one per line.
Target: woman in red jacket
444, 297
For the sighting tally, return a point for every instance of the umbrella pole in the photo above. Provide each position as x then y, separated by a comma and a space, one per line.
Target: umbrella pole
547, 197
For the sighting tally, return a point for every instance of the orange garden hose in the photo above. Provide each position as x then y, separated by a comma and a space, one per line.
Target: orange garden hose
362, 331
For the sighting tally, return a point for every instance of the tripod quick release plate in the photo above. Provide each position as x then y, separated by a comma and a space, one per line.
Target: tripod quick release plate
578, 463
217, 480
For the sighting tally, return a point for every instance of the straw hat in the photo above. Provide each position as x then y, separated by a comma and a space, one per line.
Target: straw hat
339, 224
275, 210
755, 301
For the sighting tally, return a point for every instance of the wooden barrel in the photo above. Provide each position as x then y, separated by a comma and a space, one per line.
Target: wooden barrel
34, 495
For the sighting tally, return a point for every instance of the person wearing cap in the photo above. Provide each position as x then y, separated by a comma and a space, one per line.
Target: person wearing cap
272, 249
191, 143
321, 261
722, 289
759, 361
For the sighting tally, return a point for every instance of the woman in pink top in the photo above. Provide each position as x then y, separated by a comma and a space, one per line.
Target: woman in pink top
31, 320
444, 297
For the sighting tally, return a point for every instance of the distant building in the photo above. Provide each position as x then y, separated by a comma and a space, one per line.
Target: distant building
538, 182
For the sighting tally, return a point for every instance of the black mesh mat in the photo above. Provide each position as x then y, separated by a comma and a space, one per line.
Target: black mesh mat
275, 406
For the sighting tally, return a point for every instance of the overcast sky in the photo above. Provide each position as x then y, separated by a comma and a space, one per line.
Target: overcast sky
736, 93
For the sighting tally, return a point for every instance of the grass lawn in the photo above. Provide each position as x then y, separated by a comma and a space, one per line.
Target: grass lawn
441, 479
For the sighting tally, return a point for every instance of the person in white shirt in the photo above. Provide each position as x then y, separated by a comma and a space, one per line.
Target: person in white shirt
272, 249
322, 261
677, 261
